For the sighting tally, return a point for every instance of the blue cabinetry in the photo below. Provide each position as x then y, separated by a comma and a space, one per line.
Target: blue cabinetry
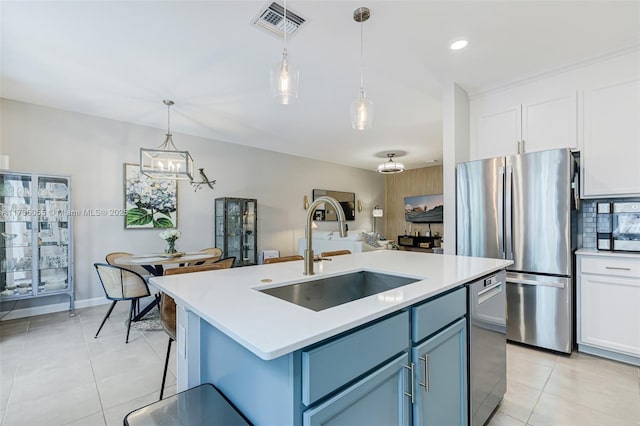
409, 368
440, 375
378, 399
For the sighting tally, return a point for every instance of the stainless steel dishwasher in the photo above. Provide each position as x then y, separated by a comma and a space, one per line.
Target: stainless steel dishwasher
488, 358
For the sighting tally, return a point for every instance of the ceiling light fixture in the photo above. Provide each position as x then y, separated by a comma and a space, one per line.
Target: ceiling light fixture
361, 108
284, 76
391, 166
165, 161
457, 45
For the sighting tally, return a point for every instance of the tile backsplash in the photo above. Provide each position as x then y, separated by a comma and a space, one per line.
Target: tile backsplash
589, 223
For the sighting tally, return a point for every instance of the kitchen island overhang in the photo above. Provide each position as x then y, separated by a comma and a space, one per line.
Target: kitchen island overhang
230, 299
281, 363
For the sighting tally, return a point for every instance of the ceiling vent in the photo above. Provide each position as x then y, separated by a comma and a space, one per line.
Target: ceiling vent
271, 18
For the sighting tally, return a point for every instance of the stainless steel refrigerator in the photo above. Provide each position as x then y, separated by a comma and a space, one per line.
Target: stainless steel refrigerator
521, 207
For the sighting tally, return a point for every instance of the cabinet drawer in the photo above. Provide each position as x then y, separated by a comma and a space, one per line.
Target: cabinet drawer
620, 267
336, 363
435, 314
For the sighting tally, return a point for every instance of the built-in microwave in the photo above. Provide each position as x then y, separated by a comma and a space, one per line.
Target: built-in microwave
625, 233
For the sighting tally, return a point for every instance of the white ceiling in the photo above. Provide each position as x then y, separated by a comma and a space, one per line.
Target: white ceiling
119, 59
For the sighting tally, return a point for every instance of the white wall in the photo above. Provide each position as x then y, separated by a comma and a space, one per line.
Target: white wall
455, 150
92, 150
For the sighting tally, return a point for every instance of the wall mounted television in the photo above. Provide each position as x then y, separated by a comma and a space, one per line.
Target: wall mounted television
424, 209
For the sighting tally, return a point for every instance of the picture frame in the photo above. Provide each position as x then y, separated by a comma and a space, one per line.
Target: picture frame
149, 203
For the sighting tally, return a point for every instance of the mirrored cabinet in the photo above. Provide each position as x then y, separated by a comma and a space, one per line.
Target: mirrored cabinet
36, 253
236, 223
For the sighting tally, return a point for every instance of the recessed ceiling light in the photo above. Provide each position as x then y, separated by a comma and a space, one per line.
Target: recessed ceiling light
457, 45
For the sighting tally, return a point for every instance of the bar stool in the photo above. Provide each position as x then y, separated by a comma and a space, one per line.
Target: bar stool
200, 405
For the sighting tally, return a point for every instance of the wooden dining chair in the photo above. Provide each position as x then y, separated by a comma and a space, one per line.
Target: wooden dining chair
334, 253
214, 251
168, 308
283, 259
111, 258
228, 261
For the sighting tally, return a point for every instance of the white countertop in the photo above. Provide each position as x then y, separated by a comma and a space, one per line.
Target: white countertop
270, 327
594, 252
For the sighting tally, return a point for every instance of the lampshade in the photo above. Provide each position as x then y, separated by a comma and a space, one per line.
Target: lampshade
378, 212
165, 161
285, 79
391, 166
284, 76
361, 108
361, 112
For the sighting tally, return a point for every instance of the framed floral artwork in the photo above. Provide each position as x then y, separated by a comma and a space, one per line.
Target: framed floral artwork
149, 203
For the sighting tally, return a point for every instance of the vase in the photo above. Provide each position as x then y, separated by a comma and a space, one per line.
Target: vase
171, 247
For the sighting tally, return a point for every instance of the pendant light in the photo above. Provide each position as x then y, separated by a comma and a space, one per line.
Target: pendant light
284, 76
165, 161
391, 166
361, 108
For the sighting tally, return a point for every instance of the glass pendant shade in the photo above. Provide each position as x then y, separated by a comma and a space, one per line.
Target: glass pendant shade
284, 80
361, 112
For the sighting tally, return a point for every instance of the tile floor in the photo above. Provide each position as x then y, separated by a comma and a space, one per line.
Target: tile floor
53, 372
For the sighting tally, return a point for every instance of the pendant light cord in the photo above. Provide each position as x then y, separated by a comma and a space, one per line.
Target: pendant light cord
168, 118
285, 25
361, 55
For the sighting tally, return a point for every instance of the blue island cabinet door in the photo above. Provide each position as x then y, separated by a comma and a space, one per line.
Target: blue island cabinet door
441, 378
378, 399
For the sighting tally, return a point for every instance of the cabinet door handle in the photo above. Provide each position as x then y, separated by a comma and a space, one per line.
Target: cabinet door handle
523, 150
410, 367
518, 147
425, 383
617, 268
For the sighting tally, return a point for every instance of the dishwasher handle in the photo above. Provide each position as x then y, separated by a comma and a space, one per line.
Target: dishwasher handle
490, 292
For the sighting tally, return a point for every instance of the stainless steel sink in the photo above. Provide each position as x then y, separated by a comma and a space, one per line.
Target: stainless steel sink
325, 293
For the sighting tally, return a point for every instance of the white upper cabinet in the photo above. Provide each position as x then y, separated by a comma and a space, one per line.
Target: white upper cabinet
611, 159
536, 126
498, 132
550, 124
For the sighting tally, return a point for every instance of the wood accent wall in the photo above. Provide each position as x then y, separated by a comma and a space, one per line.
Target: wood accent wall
424, 181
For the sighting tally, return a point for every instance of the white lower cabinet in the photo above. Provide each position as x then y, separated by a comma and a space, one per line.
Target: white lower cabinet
609, 306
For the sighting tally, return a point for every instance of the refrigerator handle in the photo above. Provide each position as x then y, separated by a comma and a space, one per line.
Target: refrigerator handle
508, 214
501, 213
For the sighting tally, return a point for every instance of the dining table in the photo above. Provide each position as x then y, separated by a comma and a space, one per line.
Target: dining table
155, 263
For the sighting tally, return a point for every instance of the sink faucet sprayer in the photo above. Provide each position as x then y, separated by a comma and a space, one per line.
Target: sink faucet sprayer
308, 253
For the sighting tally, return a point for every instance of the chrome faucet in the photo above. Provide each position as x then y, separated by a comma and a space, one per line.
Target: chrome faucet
308, 253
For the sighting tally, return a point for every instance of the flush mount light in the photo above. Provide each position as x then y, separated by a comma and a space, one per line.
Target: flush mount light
457, 45
391, 166
361, 108
165, 161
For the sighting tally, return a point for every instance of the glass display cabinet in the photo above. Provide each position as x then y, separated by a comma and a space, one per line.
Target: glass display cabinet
36, 254
236, 226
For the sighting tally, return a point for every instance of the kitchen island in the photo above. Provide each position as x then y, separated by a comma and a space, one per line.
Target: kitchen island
281, 363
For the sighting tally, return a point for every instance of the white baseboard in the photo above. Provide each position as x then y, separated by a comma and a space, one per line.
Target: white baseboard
56, 307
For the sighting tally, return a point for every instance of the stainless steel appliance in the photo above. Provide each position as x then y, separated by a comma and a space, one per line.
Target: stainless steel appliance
520, 207
626, 226
488, 359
